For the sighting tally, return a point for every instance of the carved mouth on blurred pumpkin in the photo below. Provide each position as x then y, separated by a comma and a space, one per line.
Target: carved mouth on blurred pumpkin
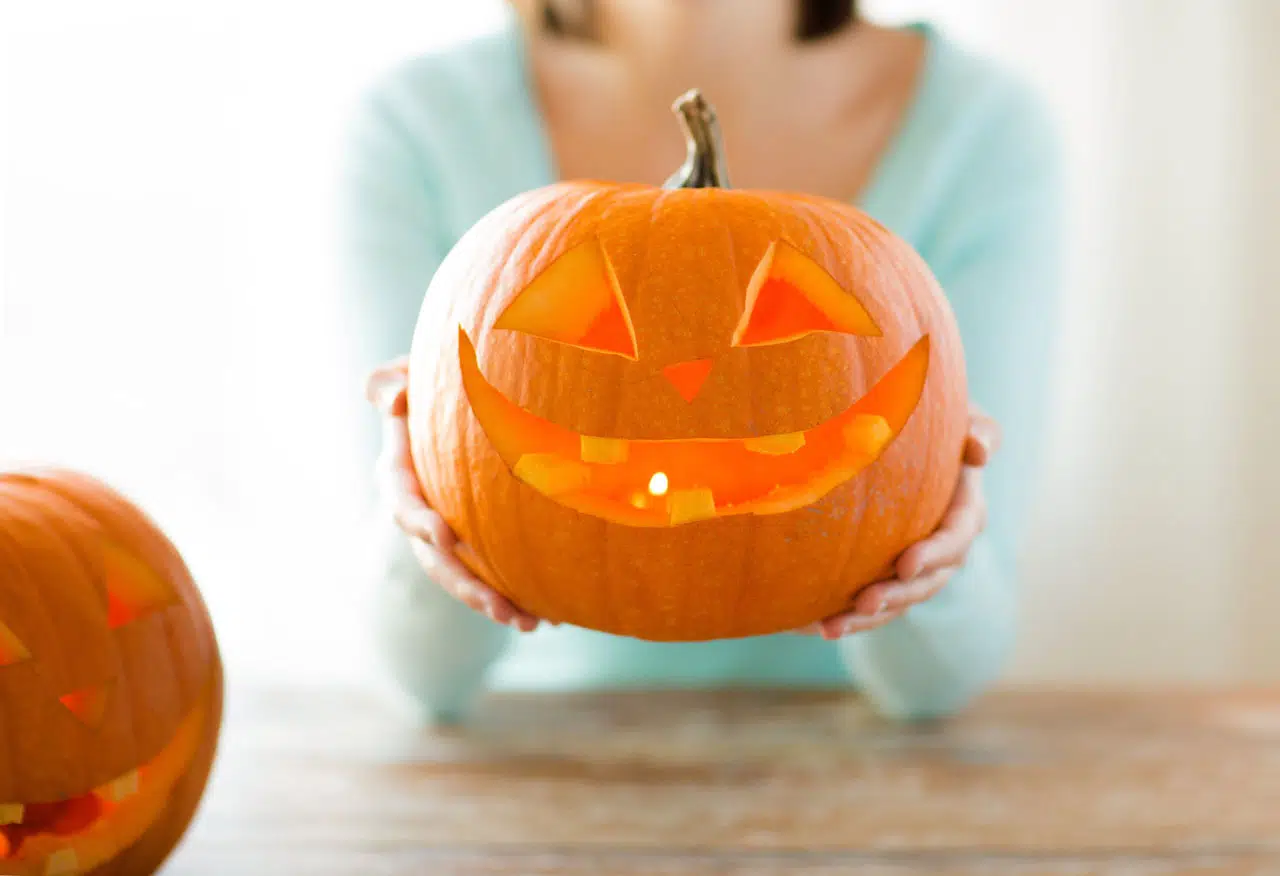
664, 483
79, 834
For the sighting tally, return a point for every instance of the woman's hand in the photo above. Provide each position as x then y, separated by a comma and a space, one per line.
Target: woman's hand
925, 567
434, 543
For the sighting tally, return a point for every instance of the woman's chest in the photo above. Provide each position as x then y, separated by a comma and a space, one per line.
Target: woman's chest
832, 157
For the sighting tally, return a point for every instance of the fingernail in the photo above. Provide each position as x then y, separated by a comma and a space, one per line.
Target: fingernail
830, 634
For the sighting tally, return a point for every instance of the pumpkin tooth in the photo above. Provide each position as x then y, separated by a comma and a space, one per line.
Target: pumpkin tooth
687, 506
775, 445
551, 474
11, 813
868, 433
609, 451
64, 862
119, 789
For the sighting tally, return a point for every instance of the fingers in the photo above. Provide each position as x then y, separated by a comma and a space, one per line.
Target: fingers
983, 439
449, 573
964, 520
850, 622
898, 595
870, 609
398, 485
433, 542
925, 567
882, 603
386, 387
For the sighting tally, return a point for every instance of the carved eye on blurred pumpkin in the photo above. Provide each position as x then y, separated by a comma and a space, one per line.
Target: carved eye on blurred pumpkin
110, 682
691, 358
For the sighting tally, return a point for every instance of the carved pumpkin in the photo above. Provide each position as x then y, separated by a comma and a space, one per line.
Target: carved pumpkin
110, 682
687, 412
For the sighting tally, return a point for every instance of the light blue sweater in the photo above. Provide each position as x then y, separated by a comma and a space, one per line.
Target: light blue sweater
971, 181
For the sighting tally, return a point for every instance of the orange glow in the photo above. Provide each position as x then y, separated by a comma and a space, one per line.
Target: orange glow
703, 478
688, 377
575, 301
790, 296
11, 648
88, 704
133, 588
80, 834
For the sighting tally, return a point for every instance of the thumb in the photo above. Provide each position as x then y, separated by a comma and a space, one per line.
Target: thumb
387, 386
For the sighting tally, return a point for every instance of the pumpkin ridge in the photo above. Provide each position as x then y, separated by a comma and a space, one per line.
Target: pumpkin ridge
89, 714
558, 506
557, 216
92, 566
745, 595
857, 491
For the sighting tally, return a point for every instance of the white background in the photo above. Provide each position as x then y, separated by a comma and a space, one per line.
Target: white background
168, 315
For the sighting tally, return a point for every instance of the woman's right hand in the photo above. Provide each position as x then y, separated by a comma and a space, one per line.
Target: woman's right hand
434, 544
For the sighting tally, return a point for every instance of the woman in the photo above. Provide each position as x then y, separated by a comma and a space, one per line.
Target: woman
943, 148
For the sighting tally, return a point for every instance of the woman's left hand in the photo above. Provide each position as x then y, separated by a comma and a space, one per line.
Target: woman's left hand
925, 567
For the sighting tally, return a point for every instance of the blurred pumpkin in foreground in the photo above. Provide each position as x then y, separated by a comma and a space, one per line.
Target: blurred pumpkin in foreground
110, 682
685, 412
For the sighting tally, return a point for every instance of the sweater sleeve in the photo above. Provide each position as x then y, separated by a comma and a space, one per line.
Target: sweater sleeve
392, 234
394, 237
995, 252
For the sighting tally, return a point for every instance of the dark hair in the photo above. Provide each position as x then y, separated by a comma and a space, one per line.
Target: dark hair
816, 19
821, 18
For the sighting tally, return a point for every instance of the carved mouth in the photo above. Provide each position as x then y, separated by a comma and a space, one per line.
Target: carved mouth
662, 483
79, 834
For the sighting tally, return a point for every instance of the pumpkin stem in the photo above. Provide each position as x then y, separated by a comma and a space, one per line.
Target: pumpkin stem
703, 166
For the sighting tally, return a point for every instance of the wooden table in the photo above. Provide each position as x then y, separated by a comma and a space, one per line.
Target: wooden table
744, 784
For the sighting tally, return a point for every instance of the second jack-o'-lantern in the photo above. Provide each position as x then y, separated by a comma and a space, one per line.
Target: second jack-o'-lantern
110, 682
688, 412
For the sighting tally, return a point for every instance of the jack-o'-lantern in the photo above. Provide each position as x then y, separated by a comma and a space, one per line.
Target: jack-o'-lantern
110, 682
687, 412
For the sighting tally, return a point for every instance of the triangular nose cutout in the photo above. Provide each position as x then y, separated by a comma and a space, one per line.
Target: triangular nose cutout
688, 377
89, 705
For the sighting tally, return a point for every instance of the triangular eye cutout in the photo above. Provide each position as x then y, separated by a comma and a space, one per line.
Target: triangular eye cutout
88, 705
575, 301
12, 651
133, 588
790, 295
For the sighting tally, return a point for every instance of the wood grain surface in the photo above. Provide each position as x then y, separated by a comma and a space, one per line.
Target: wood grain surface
743, 784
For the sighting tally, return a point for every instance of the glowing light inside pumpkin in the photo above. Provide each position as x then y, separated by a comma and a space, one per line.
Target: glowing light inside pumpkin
688, 377
11, 648
81, 833
575, 301
89, 705
790, 295
133, 588
668, 482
